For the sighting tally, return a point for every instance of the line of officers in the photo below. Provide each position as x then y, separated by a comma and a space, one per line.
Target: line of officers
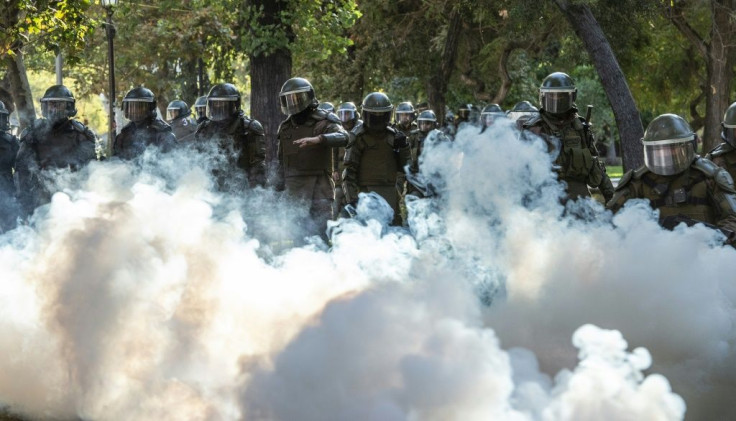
326, 158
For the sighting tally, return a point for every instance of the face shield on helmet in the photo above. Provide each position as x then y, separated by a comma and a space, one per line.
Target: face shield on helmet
426, 125
57, 109
4, 121
346, 115
487, 119
296, 101
376, 119
728, 135
135, 109
557, 101
669, 156
404, 119
463, 113
172, 114
219, 109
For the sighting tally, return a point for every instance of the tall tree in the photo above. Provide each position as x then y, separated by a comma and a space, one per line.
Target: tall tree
717, 51
614, 82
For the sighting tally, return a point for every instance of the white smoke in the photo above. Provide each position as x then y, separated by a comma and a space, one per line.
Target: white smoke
141, 292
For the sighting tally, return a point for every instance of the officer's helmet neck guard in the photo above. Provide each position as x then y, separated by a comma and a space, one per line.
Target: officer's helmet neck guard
669, 145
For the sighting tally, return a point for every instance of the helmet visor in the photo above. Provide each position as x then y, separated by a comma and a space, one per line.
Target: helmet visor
404, 119
668, 157
556, 102
463, 114
137, 110
346, 115
218, 110
172, 114
56, 109
377, 120
4, 121
425, 125
294, 102
487, 119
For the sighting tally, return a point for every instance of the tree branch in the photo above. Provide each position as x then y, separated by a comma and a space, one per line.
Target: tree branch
678, 19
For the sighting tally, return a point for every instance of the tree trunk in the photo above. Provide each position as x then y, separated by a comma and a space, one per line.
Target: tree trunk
437, 87
20, 88
719, 71
189, 85
503, 71
614, 82
268, 72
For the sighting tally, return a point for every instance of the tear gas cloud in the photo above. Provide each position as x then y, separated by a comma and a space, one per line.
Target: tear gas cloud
144, 292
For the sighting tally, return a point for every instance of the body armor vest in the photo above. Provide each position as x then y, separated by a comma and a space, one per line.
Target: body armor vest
574, 160
308, 161
62, 146
134, 139
8, 151
378, 163
685, 194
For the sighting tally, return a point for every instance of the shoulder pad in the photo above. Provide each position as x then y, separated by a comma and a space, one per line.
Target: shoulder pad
719, 150
414, 132
578, 123
358, 129
25, 133
533, 121
333, 118
319, 114
639, 172
706, 166
724, 181
160, 125
78, 126
256, 127
624, 180
393, 130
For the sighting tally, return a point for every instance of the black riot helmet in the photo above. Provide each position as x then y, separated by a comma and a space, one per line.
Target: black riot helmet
4, 118
669, 145
296, 95
58, 103
558, 93
426, 121
223, 102
729, 125
463, 113
376, 110
523, 111
405, 114
347, 112
327, 106
490, 114
177, 109
200, 107
139, 104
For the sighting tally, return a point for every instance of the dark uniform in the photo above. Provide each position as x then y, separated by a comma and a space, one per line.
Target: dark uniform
568, 136
66, 144
427, 128
8, 151
675, 180
348, 114
305, 169
200, 107
375, 161
145, 129
178, 116
241, 140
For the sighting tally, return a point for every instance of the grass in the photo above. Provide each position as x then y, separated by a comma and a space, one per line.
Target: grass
615, 171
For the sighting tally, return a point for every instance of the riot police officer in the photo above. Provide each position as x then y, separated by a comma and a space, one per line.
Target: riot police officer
375, 160
676, 181
426, 129
178, 116
55, 141
522, 112
200, 107
724, 155
489, 115
144, 129
8, 150
305, 151
239, 138
348, 114
404, 118
569, 138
